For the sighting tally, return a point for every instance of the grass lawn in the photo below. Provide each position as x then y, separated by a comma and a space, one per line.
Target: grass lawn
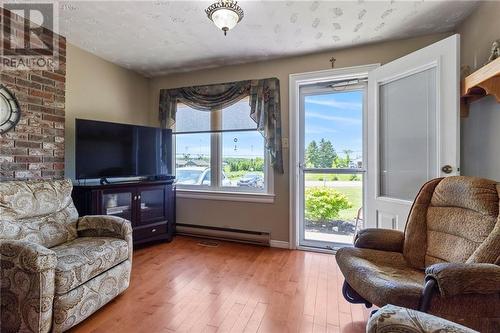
355, 196
236, 175
331, 177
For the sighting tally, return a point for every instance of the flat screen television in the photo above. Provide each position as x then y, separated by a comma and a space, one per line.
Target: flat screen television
111, 150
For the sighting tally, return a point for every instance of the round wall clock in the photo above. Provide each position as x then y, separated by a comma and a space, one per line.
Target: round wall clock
10, 113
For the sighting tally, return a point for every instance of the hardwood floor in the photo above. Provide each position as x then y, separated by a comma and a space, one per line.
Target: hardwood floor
184, 287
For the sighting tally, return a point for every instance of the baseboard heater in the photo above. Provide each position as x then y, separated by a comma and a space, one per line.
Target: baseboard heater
234, 235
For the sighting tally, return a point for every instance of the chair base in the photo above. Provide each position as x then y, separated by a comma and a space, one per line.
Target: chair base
352, 296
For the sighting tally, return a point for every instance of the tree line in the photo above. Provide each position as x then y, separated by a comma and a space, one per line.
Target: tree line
323, 155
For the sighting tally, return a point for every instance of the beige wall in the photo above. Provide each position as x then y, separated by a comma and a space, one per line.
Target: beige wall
269, 217
99, 90
481, 130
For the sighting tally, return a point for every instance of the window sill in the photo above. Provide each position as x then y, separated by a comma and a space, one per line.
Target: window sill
225, 196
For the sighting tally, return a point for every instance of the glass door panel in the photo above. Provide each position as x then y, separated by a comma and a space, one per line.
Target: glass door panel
332, 165
151, 206
333, 207
118, 204
407, 134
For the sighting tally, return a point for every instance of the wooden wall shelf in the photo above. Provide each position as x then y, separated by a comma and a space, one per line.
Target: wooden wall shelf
485, 81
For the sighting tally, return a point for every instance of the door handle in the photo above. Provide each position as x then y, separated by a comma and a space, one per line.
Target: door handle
447, 169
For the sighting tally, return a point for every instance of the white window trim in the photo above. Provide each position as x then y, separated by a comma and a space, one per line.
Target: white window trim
227, 193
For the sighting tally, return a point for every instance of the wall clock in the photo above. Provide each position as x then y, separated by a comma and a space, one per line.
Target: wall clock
10, 113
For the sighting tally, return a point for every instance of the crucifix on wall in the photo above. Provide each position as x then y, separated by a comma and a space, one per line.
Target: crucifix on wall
332, 60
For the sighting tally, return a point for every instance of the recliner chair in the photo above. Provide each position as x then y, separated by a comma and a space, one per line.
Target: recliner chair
56, 269
445, 263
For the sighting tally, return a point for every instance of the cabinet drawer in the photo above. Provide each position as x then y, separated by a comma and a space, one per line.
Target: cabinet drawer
149, 231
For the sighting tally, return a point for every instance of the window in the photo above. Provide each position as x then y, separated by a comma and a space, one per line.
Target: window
220, 150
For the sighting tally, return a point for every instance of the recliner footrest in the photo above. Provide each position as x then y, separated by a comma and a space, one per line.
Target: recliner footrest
352, 296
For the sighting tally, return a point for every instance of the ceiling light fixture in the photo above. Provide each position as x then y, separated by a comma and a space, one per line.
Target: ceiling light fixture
225, 14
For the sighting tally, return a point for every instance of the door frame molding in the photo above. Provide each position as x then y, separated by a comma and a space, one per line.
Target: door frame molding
295, 82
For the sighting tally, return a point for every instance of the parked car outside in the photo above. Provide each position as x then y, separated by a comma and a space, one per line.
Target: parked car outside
197, 176
251, 180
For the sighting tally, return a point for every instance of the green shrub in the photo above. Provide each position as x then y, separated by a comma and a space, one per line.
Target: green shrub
324, 204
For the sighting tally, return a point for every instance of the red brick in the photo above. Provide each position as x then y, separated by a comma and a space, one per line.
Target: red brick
49, 117
53, 173
13, 166
42, 94
13, 151
28, 174
42, 80
53, 76
7, 78
28, 159
58, 166
35, 148
40, 152
28, 144
28, 84
53, 159
40, 166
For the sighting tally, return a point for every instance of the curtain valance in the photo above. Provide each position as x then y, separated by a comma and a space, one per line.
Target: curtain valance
264, 99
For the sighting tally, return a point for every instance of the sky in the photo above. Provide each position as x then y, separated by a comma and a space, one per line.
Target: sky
336, 117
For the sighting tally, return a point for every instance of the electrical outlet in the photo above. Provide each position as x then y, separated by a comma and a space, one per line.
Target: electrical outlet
284, 143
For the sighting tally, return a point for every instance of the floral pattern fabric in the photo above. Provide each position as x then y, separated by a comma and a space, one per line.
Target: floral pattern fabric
41, 212
26, 286
265, 107
106, 226
78, 304
392, 318
51, 276
84, 258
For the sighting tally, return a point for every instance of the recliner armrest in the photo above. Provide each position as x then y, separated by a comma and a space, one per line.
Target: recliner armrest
391, 318
380, 239
104, 226
27, 286
455, 279
28, 256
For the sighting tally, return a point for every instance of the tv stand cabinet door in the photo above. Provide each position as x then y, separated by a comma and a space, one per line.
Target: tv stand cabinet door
119, 202
151, 207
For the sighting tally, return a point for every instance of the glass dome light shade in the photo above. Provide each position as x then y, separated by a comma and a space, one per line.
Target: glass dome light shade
225, 19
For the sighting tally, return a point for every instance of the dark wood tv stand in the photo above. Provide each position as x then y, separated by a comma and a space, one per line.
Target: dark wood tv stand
149, 205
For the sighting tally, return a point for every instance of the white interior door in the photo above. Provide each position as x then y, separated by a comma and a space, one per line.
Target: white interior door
413, 129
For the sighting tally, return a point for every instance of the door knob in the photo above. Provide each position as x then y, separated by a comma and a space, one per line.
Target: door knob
447, 169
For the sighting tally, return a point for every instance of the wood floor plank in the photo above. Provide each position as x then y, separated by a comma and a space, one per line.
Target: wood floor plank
184, 287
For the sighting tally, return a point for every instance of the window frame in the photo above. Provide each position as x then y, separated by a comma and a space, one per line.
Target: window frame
216, 191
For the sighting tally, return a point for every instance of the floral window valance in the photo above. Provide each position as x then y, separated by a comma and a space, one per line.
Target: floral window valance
264, 99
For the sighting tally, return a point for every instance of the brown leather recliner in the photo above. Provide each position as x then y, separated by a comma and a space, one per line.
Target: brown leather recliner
447, 262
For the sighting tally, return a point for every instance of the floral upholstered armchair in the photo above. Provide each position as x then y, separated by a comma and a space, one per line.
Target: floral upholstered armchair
392, 318
446, 263
56, 268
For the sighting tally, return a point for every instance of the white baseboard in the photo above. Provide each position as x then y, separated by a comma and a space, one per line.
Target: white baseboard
279, 244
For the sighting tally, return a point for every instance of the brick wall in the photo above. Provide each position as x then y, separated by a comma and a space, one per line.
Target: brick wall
35, 148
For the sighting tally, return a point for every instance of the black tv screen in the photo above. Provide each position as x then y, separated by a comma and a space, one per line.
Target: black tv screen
107, 150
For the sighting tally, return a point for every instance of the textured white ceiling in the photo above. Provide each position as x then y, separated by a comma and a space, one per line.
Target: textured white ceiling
161, 37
